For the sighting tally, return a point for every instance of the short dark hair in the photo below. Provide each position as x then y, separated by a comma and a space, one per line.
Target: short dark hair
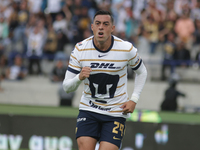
104, 12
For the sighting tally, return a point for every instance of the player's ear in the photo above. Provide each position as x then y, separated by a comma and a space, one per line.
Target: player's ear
113, 28
92, 26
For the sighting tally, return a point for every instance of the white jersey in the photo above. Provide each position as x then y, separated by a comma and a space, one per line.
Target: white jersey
106, 88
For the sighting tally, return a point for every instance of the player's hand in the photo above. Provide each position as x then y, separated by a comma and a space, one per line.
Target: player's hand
128, 107
85, 73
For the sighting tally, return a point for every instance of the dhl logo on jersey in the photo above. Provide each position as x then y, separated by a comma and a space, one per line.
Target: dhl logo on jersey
104, 65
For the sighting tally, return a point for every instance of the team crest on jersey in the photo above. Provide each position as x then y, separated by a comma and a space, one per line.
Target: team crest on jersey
80, 43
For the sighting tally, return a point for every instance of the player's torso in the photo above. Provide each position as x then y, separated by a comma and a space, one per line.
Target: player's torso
105, 90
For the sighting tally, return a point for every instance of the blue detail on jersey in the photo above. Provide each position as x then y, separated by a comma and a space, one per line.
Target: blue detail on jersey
112, 42
102, 80
101, 101
73, 70
137, 65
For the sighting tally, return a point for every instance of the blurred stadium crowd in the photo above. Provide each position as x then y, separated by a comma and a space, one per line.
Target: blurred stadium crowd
34, 30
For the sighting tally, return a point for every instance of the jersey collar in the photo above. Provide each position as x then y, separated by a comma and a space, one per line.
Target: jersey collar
111, 45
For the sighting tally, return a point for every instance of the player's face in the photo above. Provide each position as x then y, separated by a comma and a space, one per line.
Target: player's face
102, 28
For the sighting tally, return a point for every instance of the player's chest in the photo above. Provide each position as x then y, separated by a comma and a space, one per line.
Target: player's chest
110, 60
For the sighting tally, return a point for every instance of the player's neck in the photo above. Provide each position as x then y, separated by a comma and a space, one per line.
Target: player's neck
103, 45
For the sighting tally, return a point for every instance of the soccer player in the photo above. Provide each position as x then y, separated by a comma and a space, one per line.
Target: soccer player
100, 62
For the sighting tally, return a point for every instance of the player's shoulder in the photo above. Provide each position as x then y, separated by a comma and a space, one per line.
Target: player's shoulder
123, 44
119, 40
84, 44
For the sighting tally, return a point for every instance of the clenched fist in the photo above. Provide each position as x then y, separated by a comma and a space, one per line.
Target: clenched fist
85, 73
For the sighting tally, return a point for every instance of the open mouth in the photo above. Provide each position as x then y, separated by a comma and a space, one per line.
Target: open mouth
100, 34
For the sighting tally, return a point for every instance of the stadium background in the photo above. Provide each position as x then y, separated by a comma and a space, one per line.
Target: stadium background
30, 113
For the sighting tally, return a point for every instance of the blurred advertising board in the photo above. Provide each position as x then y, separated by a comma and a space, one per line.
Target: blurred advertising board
19, 132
